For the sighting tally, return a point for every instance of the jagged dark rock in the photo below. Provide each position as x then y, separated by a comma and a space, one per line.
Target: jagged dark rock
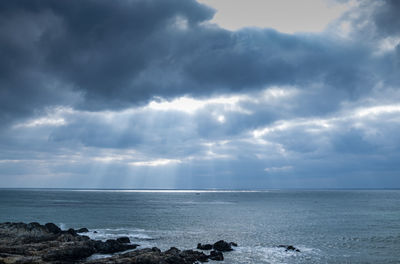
204, 247
173, 251
123, 240
82, 230
52, 228
70, 252
233, 244
289, 248
111, 246
71, 231
216, 255
222, 246
193, 256
35, 243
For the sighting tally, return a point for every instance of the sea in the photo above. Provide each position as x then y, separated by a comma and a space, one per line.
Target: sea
327, 226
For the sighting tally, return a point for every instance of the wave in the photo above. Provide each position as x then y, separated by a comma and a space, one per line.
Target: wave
208, 202
135, 235
273, 254
62, 226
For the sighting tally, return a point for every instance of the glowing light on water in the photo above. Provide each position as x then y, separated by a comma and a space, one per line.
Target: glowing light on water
171, 191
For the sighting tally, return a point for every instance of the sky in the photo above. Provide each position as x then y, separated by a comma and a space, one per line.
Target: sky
185, 94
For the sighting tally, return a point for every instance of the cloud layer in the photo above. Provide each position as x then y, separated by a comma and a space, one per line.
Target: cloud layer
151, 94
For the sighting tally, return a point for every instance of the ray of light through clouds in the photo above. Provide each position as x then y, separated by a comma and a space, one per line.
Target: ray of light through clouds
208, 94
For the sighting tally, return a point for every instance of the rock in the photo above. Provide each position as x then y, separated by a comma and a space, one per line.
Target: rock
35, 243
70, 252
193, 256
156, 249
289, 247
52, 228
172, 256
222, 246
82, 230
33, 225
216, 255
123, 240
175, 260
111, 246
204, 247
173, 251
233, 244
70, 231
19, 233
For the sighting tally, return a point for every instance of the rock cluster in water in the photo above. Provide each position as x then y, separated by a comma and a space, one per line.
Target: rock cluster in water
35, 243
219, 246
289, 248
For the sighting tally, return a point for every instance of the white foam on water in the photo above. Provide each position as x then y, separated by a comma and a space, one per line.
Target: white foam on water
142, 236
273, 255
135, 235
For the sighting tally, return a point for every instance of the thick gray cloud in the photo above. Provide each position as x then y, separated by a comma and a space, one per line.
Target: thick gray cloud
386, 18
273, 109
122, 53
95, 49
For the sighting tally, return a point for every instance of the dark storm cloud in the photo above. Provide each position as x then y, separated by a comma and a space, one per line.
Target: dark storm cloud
94, 48
386, 18
377, 25
115, 54
76, 77
374, 20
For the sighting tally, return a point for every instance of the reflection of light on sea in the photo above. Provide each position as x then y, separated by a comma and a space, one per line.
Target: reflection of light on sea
174, 191
270, 254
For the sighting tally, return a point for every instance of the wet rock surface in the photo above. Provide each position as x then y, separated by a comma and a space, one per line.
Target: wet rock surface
204, 246
82, 230
222, 246
289, 248
123, 240
36, 243
216, 255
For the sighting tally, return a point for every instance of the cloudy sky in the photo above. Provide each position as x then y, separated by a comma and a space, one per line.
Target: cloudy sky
200, 94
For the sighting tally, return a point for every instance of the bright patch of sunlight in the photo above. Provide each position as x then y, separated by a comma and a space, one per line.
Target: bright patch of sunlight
377, 110
43, 121
316, 125
155, 163
190, 105
278, 169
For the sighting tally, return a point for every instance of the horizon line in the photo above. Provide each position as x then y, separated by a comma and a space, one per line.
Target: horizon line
194, 189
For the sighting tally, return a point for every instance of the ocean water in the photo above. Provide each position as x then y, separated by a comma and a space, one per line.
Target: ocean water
328, 226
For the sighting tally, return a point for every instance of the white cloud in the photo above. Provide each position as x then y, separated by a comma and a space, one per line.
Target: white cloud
377, 110
191, 105
44, 121
388, 44
278, 169
155, 163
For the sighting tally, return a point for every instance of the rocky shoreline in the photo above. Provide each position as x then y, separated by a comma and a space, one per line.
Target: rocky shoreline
36, 243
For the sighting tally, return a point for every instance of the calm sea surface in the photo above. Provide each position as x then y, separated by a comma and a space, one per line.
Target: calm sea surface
329, 226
